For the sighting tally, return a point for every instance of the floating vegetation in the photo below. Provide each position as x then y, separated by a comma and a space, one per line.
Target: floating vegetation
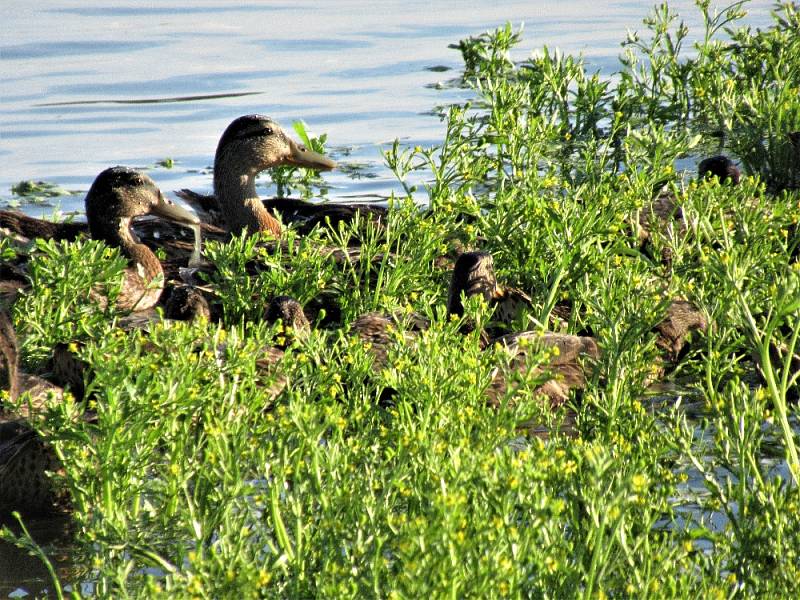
236, 458
38, 192
167, 163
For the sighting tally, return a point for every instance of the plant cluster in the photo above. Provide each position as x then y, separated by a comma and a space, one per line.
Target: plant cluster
210, 471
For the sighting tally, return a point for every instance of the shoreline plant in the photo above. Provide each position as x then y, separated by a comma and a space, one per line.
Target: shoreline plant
193, 481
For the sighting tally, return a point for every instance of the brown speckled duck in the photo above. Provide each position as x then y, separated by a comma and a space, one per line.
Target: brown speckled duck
117, 196
474, 274
664, 211
250, 145
254, 143
25, 459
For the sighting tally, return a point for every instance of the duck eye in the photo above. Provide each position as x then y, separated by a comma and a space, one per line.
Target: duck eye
268, 131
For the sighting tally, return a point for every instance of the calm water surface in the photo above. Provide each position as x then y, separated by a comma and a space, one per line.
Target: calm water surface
365, 73
359, 71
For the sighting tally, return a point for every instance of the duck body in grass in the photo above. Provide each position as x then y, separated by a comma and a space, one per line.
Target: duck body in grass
25, 458
474, 274
571, 356
664, 211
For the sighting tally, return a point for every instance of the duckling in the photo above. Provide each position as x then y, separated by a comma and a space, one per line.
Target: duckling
25, 459
22, 227
664, 211
682, 318
375, 329
570, 356
290, 314
254, 143
473, 274
721, 167
186, 303
17, 382
117, 196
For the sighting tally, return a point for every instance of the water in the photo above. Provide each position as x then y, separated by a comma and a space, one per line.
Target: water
360, 72
88, 85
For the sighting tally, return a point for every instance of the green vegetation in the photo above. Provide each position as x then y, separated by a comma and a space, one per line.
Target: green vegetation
207, 474
37, 192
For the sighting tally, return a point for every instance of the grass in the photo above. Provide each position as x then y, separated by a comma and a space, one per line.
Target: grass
195, 481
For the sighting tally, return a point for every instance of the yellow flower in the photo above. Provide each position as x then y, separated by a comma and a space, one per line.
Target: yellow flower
639, 482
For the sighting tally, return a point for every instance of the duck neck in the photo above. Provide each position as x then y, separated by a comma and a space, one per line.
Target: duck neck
241, 206
144, 278
9, 359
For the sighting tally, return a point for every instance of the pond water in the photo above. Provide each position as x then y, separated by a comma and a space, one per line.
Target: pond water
88, 85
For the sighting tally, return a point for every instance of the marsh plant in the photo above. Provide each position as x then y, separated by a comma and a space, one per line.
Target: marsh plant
212, 472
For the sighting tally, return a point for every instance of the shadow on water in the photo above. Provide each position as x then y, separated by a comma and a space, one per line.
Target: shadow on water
152, 100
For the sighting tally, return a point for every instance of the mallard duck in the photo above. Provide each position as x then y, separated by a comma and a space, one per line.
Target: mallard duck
25, 459
664, 212
721, 167
254, 143
473, 274
117, 196
570, 356
249, 145
289, 313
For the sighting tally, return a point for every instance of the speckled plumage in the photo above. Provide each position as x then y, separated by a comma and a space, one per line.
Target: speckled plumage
26, 460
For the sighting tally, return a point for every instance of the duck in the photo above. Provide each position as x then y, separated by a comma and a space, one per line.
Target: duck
721, 167
664, 211
473, 274
25, 458
376, 330
116, 197
252, 144
288, 313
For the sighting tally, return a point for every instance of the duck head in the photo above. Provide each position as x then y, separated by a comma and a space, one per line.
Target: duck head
720, 167
473, 274
251, 144
118, 195
255, 143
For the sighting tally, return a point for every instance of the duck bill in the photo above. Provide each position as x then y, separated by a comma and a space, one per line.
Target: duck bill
173, 212
303, 157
